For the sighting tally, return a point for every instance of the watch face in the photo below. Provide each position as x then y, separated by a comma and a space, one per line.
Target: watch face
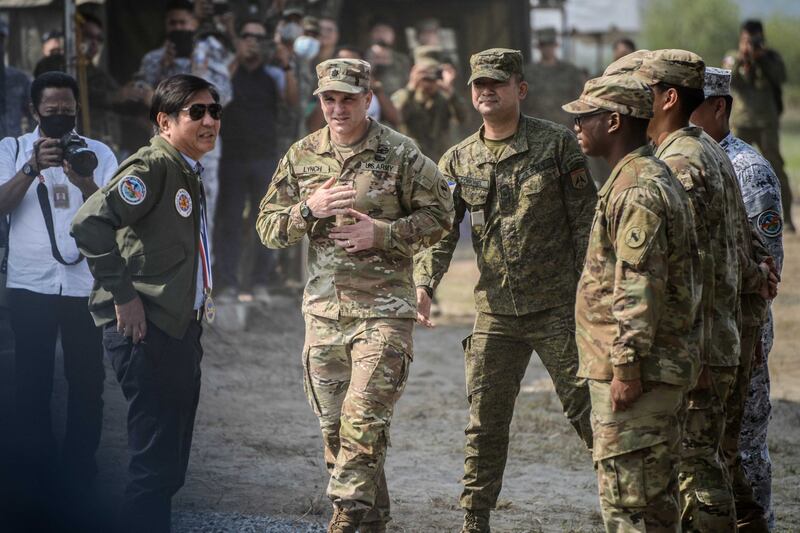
28, 169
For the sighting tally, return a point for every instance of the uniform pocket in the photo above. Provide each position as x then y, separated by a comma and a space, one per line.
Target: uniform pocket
635, 479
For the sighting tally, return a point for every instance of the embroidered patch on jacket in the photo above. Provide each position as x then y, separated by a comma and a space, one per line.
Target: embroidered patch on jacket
183, 203
635, 237
132, 190
770, 223
579, 178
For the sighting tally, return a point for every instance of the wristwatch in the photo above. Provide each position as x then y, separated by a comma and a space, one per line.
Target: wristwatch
29, 171
305, 211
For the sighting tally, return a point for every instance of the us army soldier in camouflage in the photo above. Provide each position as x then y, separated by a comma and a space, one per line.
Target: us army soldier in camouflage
761, 193
729, 270
638, 297
530, 201
368, 200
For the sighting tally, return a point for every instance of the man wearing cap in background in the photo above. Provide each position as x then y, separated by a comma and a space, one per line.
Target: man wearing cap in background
757, 77
635, 313
729, 270
745, 444
359, 302
530, 200
429, 104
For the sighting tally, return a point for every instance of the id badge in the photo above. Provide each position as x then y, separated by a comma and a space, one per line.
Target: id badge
60, 196
477, 218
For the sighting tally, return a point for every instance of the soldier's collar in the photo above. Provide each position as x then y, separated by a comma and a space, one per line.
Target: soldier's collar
688, 131
370, 142
519, 144
643, 151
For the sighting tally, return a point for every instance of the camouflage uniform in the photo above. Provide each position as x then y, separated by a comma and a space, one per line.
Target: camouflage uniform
530, 210
637, 300
757, 106
729, 269
359, 307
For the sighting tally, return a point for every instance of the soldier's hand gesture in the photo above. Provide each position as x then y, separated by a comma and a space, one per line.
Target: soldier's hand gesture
329, 200
355, 237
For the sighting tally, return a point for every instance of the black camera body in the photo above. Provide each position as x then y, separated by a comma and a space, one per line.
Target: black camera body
76, 152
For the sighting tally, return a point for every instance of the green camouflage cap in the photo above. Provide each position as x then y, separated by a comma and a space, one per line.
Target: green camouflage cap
627, 63
622, 93
495, 63
675, 67
344, 75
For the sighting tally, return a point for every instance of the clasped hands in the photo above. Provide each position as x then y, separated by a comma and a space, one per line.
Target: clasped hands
331, 200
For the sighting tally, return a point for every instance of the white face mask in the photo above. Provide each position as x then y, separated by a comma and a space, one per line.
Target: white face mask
306, 47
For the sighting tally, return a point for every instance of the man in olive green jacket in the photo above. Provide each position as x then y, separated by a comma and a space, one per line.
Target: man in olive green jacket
144, 237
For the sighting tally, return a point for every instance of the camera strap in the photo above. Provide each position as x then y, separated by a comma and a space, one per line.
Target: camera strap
47, 212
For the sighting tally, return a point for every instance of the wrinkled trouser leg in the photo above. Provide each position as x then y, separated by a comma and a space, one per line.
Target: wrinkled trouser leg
705, 484
496, 356
636, 454
749, 513
355, 371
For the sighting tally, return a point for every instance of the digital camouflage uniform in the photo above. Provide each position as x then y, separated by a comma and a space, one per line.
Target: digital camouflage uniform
530, 211
725, 248
359, 307
757, 106
637, 301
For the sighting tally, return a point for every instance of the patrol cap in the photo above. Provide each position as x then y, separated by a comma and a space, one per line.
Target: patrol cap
428, 52
627, 63
676, 67
344, 75
621, 93
717, 82
495, 63
546, 36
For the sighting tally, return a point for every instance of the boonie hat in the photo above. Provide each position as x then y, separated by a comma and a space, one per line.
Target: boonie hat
495, 63
621, 93
344, 75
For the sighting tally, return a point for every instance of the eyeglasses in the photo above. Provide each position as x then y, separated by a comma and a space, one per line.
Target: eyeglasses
260, 37
198, 111
579, 118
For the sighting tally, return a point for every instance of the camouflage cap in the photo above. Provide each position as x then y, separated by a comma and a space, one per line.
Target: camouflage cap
673, 66
627, 63
619, 92
495, 63
345, 75
546, 36
717, 82
428, 52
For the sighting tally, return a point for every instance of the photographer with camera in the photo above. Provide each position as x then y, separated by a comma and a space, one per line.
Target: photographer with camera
428, 104
757, 76
45, 176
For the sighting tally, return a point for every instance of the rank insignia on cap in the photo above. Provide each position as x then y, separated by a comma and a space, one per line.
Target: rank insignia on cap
183, 203
579, 178
770, 223
335, 74
132, 190
635, 237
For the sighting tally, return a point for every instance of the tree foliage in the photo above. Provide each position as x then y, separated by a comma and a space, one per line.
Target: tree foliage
707, 27
781, 34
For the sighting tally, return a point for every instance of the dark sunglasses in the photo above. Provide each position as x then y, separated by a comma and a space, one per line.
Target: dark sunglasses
257, 36
579, 118
198, 111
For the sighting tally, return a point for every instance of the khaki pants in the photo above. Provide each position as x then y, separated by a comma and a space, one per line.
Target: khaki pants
496, 355
767, 140
636, 454
355, 369
705, 483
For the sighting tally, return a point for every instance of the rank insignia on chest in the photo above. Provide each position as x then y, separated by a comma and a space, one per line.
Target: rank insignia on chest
477, 218
183, 203
579, 178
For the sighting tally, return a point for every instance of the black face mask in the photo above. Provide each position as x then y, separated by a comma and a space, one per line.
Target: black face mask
55, 126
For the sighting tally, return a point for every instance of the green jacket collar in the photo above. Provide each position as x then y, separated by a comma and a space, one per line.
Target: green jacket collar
370, 142
688, 131
519, 144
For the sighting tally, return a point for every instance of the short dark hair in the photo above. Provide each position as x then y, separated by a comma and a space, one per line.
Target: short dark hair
638, 126
251, 20
54, 80
728, 105
179, 5
625, 42
688, 99
173, 93
753, 26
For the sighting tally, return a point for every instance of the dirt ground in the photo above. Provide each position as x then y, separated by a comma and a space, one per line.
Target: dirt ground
257, 448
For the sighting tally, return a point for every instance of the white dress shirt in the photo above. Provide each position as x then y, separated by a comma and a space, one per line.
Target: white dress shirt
31, 264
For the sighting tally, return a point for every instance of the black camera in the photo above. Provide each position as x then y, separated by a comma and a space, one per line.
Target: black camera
76, 152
